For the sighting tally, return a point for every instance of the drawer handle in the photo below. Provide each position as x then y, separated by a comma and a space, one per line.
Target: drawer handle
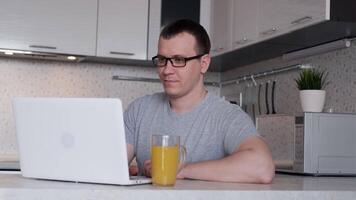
121, 53
269, 31
42, 47
302, 20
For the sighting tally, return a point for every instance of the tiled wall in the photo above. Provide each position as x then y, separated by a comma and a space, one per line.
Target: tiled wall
20, 77
340, 92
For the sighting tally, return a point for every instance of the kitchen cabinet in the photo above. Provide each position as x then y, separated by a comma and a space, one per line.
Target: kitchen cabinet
122, 29
184, 9
221, 26
244, 30
305, 12
239, 23
277, 17
64, 26
272, 17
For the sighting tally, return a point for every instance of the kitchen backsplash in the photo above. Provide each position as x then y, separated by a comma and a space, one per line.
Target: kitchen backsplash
22, 77
340, 92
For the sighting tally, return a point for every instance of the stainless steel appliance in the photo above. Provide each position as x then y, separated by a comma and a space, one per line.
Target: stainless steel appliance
324, 144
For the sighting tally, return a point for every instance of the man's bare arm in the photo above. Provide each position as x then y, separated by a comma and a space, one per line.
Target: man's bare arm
130, 152
133, 170
250, 163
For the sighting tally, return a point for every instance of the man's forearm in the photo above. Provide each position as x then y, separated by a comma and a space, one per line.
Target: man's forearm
249, 166
130, 152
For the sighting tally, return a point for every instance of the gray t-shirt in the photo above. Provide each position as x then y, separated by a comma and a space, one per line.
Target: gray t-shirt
212, 130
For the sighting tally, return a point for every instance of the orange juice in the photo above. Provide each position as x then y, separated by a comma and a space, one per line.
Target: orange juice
164, 161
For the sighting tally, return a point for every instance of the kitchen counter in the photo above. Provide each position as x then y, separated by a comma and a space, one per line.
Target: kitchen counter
13, 186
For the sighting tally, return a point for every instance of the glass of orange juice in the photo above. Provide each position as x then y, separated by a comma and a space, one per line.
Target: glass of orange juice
166, 156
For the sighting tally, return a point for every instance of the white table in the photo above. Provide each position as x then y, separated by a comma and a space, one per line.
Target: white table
13, 186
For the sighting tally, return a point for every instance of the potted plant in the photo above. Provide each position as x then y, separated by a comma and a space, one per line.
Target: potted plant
311, 84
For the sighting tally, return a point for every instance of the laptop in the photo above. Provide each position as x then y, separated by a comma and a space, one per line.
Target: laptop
73, 139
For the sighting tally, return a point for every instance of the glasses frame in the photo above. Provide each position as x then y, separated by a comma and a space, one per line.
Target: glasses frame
170, 60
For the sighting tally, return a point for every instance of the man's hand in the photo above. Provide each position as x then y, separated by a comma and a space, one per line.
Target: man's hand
181, 166
133, 169
147, 168
180, 176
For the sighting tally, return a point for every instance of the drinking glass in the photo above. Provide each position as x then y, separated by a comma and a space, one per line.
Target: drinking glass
166, 156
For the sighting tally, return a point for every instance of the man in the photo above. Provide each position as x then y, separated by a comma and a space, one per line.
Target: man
221, 141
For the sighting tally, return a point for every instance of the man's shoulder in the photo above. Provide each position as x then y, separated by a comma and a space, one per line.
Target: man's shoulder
219, 108
221, 105
148, 100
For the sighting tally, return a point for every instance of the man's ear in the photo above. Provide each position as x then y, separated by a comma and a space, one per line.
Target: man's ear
204, 63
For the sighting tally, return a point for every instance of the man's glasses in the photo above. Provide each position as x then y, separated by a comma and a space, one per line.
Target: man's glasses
177, 61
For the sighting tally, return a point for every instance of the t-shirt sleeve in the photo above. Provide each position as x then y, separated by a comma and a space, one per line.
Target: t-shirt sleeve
238, 127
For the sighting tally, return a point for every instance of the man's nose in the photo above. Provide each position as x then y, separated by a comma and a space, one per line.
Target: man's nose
169, 67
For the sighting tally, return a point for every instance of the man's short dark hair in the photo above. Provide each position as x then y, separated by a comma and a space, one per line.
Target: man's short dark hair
191, 27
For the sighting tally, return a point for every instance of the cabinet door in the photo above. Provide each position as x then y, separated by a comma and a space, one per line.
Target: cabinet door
280, 16
221, 26
66, 26
245, 15
273, 18
305, 12
122, 29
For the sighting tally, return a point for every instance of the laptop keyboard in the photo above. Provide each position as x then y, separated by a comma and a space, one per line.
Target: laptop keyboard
138, 177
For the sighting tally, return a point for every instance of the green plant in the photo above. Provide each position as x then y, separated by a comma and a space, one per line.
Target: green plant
311, 79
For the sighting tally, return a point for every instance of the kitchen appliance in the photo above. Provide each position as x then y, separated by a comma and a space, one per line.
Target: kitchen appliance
324, 144
315, 143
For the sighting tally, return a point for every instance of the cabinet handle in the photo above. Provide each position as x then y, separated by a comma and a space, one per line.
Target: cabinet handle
242, 41
42, 47
269, 31
218, 49
121, 53
302, 20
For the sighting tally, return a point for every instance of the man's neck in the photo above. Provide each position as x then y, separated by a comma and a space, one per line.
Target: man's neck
187, 102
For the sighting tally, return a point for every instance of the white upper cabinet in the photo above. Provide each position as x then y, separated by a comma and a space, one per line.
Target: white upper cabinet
245, 14
273, 17
277, 17
122, 29
65, 26
305, 12
221, 25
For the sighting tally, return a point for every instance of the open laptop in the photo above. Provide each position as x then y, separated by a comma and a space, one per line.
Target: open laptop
73, 139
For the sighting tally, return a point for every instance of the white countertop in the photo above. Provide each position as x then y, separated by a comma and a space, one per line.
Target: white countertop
13, 186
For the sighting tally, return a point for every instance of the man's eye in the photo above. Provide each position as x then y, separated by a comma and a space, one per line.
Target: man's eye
179, 60
161, 59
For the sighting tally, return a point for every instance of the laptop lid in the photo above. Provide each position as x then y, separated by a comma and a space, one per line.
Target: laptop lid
72, 139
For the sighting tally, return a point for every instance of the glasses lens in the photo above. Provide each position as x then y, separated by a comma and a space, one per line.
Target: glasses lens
160, 61
178, 61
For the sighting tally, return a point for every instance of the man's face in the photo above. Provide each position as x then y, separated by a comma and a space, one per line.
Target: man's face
178, 82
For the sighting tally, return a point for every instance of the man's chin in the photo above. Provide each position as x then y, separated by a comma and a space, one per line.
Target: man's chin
171, 94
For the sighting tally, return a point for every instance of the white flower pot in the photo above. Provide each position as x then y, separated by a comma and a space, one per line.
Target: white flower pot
312, 100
